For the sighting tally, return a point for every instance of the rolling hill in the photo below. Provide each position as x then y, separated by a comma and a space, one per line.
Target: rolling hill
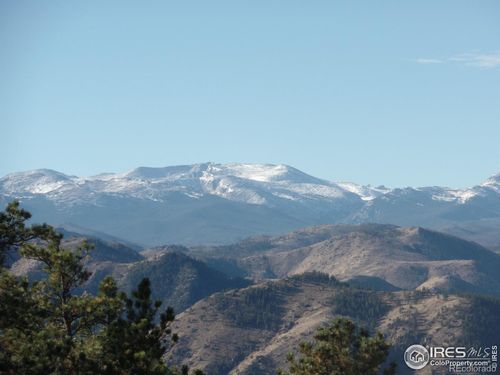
177, 279
250, 331
375, 255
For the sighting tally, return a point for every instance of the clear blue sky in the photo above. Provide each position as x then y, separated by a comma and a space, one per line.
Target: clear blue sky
393, 92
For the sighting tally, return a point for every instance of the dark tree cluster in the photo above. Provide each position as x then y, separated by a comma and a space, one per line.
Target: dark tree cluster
341, 349
360, 304
480, 327
254, 308
318, 278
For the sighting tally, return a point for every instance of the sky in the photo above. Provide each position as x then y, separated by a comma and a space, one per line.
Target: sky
375, 92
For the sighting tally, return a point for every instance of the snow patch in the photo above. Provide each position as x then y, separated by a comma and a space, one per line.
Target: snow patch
366, 193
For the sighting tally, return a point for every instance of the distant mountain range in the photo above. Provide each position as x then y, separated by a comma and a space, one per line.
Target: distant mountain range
375, 256
216, 203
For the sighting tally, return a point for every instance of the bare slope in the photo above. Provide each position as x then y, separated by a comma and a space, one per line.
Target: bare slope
250, 331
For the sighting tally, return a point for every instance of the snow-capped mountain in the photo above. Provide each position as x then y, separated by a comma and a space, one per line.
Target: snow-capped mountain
223, 202
247, 183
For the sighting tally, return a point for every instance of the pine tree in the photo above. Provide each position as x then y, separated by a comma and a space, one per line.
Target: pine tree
14, 233
341, 349
133, 341
46, 328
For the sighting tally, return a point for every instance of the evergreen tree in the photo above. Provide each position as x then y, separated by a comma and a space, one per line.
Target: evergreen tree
131, 340
341, 349
14, 233
45, 328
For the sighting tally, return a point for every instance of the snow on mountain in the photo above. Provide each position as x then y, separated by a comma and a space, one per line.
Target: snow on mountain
453, 195
248, 183
461, 196
216, 203
367, 193
492, 184
41, 181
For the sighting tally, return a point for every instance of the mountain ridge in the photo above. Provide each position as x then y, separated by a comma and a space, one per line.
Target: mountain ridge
274, 316
380, 256
223, 203
50, 178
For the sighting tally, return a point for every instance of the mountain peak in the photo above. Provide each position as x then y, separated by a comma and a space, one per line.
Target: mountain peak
38, 181
264, 172
245, 171
493, 180
38, 173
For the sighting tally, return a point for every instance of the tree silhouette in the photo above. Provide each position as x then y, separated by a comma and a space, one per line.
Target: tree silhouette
47, 328
341, 349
